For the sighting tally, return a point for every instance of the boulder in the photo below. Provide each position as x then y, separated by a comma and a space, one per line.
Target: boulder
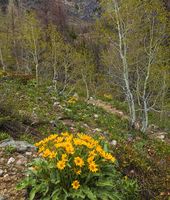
20, 146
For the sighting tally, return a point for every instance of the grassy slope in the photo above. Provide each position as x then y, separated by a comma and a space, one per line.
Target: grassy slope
138, 156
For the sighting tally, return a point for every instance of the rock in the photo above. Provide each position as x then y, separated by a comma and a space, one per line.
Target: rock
53, 98
11, 160
2, 198
6, 175
2, 160
113, 142
22, 161
56, 104
153, 127
97, 130
20, 146
130, 138
20, 156
53, 123
76, 96
161, 137
72, 128
1, 172
28, 153
106, 134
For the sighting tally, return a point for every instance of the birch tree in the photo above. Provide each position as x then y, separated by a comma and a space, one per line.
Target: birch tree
117, 38
33, 41
6, 58
135, 32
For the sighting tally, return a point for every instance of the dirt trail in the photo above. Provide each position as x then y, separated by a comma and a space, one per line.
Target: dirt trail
156, 133
108, 108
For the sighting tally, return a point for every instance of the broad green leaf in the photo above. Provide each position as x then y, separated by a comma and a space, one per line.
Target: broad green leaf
89, 193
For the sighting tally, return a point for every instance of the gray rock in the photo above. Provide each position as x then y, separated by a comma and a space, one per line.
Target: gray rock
97, 130
2, 198
96, 116
106, 134
22, 161
161, 137
1, 172
11, 160
2, 160
56, 104
113, 142
130, 138
6, 175
20, 146
28, 153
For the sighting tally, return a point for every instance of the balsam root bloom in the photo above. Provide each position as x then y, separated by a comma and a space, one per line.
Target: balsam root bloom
74, 155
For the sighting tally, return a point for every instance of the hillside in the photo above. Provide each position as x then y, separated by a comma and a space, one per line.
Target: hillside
84, 100
36, 116
84, 10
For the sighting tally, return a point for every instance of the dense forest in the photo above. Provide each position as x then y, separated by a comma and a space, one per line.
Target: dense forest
98, 67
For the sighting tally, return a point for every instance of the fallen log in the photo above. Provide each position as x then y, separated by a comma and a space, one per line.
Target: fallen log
16, 129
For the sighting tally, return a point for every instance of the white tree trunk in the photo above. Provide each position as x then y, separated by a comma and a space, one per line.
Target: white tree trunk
123, 56
2, 60
35, 55
145, 117
37, 73
86, 85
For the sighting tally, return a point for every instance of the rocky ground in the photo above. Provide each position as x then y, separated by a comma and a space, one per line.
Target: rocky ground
13, 162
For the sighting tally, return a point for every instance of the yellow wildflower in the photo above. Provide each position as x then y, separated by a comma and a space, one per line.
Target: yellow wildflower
64, 157
41, 149
90, 159
69, 148
78, 161
61, 165
75, 184
72, 100
113, 159
77, 141
108, 96
65, 134
92, 153
52, 154
108, 156
59, 139
93, 167
46, 153
78, 172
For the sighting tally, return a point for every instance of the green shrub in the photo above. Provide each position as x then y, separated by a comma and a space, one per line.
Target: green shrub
148, 161
4, 135
76, 167
9, 149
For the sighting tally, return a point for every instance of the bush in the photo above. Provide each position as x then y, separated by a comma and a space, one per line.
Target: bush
76, 167
4, 135
148, 162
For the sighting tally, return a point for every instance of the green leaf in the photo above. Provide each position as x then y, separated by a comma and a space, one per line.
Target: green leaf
25, 183
55, 194
89, 193
77, 194
104, 183
105, 195
106, 147
32, 194
47, 198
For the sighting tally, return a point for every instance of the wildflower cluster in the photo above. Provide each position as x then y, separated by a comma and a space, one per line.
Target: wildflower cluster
76, 167
75, 155
108, 96
72, 100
